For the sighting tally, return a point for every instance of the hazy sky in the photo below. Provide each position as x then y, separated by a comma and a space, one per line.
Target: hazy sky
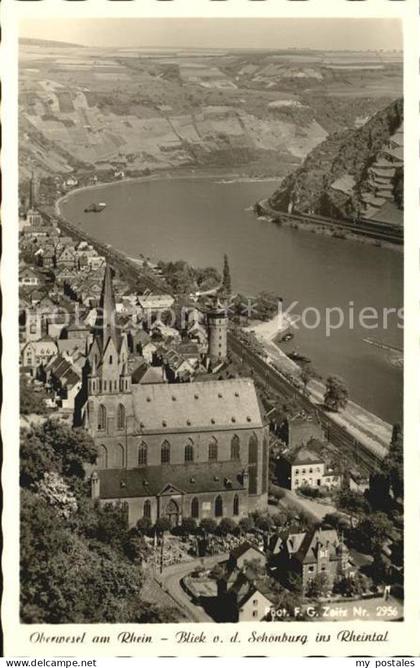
358, 34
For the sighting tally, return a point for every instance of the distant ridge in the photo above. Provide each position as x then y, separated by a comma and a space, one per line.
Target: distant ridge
30, 41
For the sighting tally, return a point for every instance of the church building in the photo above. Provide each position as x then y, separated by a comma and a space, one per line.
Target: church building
178, 450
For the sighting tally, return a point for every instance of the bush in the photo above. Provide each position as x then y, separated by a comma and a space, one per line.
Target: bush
144, 524
311, 492
162, 524
208, 524
350, 586
189, 525
246, 524
30, 401
336, 394
227, 526
279, 519
264, 523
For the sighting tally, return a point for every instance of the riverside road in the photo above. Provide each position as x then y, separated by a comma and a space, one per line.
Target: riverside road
337, 434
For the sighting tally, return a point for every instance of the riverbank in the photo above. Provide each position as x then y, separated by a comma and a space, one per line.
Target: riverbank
164, 175
269, 329
363, 425
341, 230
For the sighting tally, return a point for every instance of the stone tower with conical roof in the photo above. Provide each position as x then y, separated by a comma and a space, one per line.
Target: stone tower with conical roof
217, 325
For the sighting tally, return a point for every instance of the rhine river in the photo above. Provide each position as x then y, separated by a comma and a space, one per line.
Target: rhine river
199, 220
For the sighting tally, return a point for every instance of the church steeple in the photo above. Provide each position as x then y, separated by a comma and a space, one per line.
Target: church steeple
105, 325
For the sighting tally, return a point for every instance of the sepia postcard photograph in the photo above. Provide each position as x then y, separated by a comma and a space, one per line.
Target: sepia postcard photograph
210, 391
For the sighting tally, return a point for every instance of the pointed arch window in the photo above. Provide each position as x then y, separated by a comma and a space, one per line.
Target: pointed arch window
142, 455
147, 510
189, 452
213, 450
121, 455
265, 466
253, 464
102, 457
235, 447
236, 505
120, 416
101, 418
218, 506
195, 508
253, 449
165, 452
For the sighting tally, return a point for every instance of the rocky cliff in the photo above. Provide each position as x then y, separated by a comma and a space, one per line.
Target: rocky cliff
351, 173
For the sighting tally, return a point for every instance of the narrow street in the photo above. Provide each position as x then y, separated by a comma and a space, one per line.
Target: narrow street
171, 577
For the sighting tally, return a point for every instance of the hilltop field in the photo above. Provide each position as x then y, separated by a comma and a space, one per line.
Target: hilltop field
136, 111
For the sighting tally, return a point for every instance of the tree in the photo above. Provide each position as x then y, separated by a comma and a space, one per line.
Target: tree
55, 447
306, 375
279, 519
398, 187
162, 524
111, 525
350, 586
373, 530
135, 548
66, 578
336, 521
31, 402
393, 464
293, 581
189, 525
379, 567
143, 612
144, 525
226, 282
246, 524
354, 503
227, 525
336, 394
264, 523
208, 524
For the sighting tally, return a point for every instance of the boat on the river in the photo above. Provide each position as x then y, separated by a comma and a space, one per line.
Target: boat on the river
298, 357
95, 207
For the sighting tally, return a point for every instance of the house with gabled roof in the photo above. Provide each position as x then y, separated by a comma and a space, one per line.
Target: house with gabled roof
67, 258
239, 593
311, 553
245, 553
146, 375
28, 277
65, 379
305, 467
36, 354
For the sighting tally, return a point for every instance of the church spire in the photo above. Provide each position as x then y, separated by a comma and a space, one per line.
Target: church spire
105, 325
